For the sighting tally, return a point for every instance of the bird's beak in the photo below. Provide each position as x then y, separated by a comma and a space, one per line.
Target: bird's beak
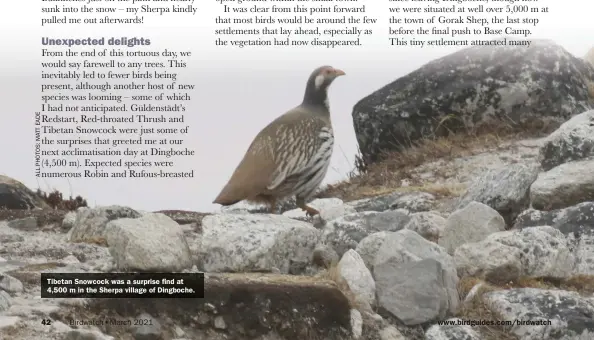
338, 73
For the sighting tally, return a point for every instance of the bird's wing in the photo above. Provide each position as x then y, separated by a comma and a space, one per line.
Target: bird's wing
301, 143
252, 174
281, 150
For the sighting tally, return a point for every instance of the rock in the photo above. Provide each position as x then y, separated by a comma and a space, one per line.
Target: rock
86, 334
489, 260
149, 329
415, 279
414, 202
356, 323
90, 223
377, 203
59, 327
357, 276
563, 186
244, 243
546, 314
391, 333
427, 224
406, 245
69, 220
25, 224
572, 141
345, 232
545, 252
153, 242
245, 207
414, 292
474, 88
178, 332
11, 238
576, 223
454, 330
8, 321
472, 223
10, 284
410, 201
589, 57
251, 305
324, 256
5, 301
504, 189
15, 195
219, 323
369, 246
329, 208
184, 216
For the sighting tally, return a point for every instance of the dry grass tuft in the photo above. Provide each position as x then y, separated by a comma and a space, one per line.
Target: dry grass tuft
55, 200
580, 283
100, 241
387, 175
476, 309
583, 284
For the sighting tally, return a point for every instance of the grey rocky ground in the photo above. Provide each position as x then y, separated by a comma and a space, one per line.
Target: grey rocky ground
371, 269
511, 242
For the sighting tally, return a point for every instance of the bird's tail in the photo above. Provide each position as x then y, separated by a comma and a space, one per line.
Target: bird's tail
228, 196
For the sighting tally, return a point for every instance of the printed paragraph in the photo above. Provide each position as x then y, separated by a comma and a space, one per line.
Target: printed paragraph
424, 23
111, 111
326, 24
114, 12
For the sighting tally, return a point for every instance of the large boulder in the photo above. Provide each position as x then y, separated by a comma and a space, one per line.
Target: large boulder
564, 186
16, 195
572, 141
254, 243
506, 189
544, 314
235, 306
416, 280
471, 89
576, 223
153, 242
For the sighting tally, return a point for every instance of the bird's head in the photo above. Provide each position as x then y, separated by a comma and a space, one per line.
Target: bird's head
318, 83
323, 76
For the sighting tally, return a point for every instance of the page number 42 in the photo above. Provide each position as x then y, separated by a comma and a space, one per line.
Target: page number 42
46, 322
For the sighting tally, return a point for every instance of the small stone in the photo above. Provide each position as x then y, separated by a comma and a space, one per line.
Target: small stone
10, 284
219, 323
5, 301
324, 256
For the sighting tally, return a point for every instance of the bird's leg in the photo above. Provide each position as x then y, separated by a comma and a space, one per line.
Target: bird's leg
308, 210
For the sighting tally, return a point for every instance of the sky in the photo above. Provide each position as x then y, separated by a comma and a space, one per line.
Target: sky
237, 90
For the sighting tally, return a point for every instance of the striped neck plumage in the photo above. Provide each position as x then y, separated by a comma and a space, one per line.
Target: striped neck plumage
316, 97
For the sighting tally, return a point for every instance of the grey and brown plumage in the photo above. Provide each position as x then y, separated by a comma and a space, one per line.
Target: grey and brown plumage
291, 155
